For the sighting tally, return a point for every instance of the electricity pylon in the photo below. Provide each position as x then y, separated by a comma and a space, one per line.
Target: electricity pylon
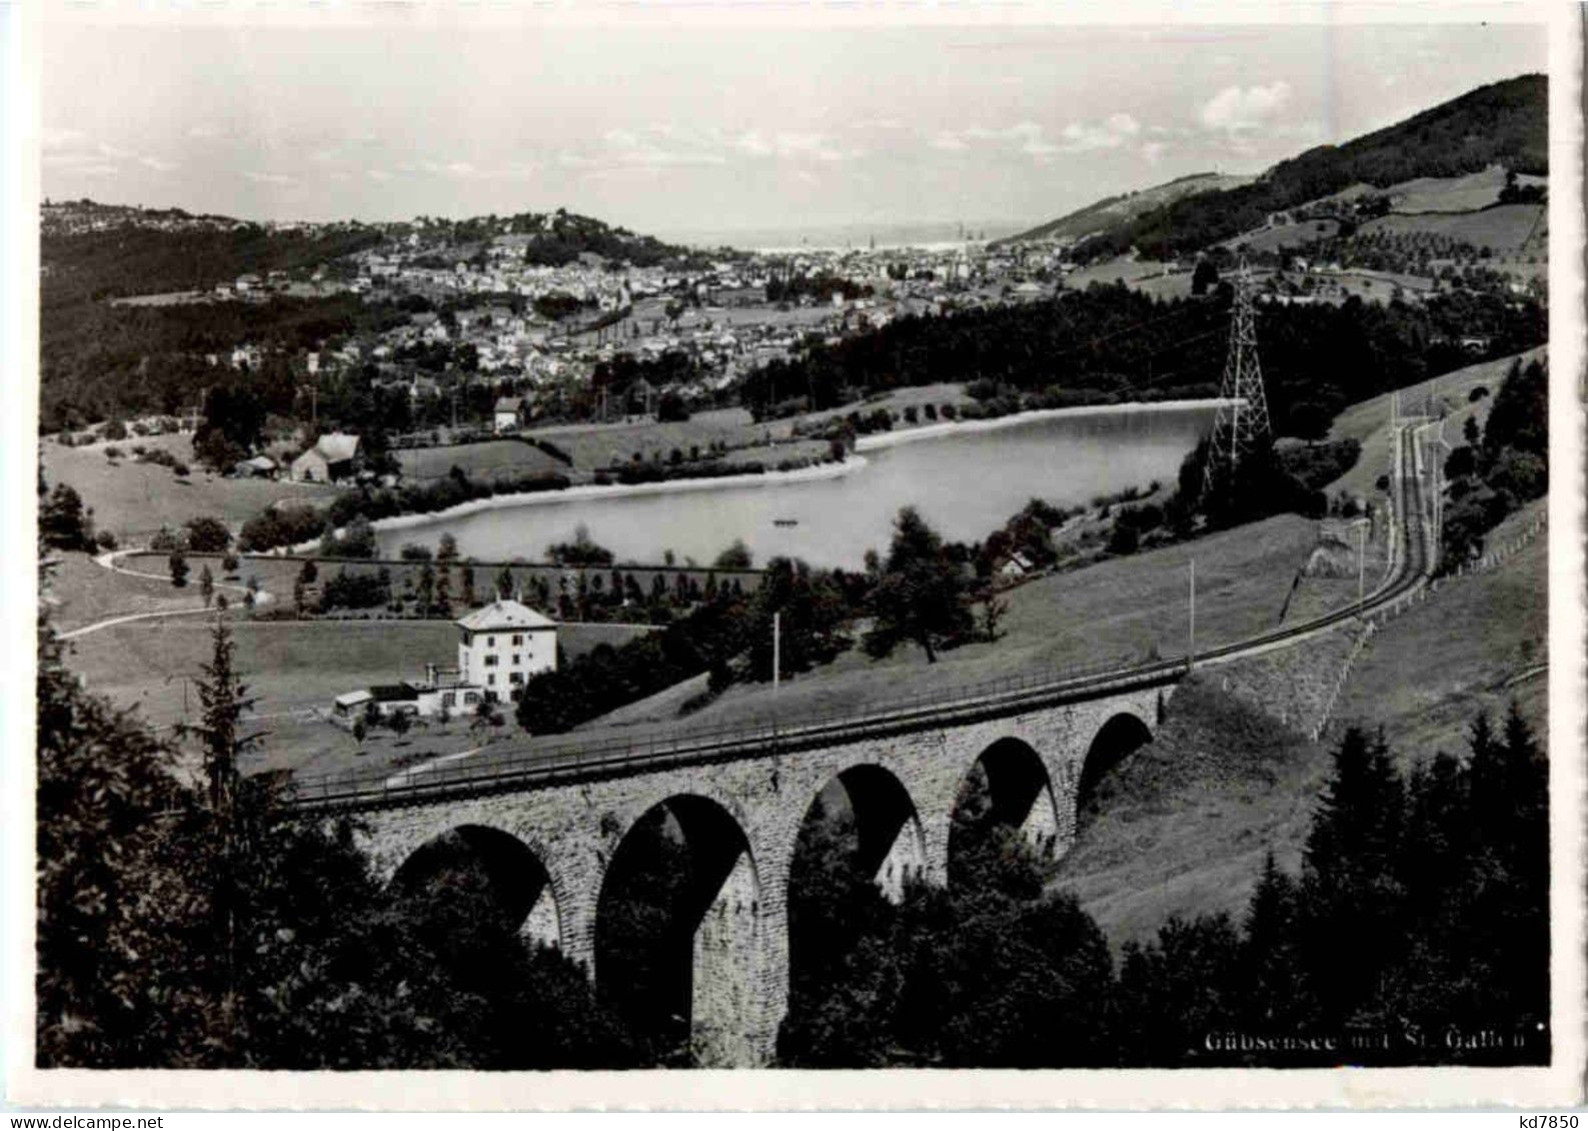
1242, 421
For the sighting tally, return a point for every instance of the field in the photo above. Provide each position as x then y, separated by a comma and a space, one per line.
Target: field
82, 593
1120, 611
1449, 194
1286, 235
1368, 420
1185, 822
1128, 271
277, 575
897, 400
1097, 217
292, 669
478, 461
133, 500
595, 446
1188, 819
1430, 670
1507, 228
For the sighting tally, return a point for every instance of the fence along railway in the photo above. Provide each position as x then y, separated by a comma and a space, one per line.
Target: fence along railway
550, 823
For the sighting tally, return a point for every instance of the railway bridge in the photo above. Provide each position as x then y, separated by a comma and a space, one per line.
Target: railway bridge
558, 828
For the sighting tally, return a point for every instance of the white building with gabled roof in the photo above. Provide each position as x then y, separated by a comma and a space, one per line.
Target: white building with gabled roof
502, 645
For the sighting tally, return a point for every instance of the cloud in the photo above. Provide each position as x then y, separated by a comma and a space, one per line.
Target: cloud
661, 145
1031, 139
877, 124
1235, 108
664, 145
1111, 133
73, 151
270, 178
1152, 151
793, 145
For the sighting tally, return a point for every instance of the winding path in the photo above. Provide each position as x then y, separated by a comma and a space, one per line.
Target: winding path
109, 561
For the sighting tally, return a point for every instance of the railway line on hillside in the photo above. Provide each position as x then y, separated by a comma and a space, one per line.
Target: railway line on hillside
533, 764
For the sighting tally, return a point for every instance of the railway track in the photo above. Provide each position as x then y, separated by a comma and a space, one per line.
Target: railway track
573, 759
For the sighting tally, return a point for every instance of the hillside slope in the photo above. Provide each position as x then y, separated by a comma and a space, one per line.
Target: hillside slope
1504, 123
1112, 210
1183, 825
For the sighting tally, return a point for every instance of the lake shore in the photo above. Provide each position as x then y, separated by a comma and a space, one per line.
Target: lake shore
878, 440
856, 462
619, 490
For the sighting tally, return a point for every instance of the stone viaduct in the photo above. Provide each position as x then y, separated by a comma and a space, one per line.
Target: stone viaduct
551, 847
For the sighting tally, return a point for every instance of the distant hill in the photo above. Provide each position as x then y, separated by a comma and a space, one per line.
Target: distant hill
1112, 210
1504, 123
559, 237
94, 251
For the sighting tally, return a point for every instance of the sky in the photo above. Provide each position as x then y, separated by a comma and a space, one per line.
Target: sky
715, 125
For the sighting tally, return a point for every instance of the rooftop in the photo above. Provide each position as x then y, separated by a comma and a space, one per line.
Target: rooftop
505, 615
337, 446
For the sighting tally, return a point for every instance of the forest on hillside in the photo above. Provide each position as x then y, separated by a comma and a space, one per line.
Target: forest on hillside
1109, 344
133, 259
1504, 123
98, 360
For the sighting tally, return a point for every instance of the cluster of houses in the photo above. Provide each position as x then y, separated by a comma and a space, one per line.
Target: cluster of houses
500, 647
332, 458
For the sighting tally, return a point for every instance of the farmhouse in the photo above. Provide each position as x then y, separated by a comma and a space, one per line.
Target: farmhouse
335, 455
424, 698
509, 413
502, 645
260, 467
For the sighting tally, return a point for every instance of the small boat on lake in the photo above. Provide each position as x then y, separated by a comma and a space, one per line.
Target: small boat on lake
785, 522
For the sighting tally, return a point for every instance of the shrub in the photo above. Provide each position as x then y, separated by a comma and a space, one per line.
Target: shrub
353, 591
206, 535
280, 526
115, 430
167, 540
113, 452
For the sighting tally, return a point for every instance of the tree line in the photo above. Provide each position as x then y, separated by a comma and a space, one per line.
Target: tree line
1417, 932
1109, 344
1499, 467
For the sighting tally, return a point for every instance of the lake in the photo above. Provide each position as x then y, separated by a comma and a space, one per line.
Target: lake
966, 484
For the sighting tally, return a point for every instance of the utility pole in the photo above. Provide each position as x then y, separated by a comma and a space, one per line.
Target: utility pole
777, 650
1191, 637
1361, 563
